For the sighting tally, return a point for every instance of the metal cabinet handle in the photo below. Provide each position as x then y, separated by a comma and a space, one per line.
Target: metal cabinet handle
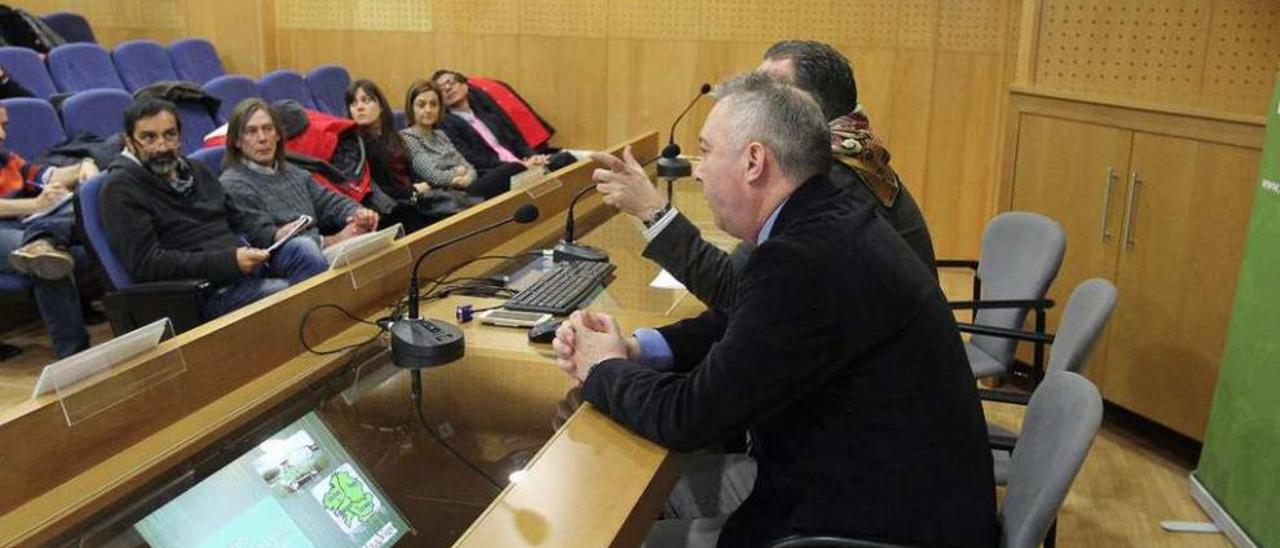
1106, 203
1132, 201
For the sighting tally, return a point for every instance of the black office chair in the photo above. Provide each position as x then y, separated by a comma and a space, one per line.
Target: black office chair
132, 305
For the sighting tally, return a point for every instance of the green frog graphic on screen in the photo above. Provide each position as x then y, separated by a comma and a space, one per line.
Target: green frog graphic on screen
349, 499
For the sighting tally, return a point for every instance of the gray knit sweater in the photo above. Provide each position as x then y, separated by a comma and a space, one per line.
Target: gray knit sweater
434, 157
287, 194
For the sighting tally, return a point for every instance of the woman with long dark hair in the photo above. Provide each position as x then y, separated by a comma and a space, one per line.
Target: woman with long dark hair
433, 157
395, 196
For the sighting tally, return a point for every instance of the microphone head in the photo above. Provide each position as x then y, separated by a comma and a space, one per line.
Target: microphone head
671, 151
705, 89
526, 213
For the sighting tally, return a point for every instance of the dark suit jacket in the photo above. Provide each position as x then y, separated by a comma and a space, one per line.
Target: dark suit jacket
843, 362
711, 274
472, 146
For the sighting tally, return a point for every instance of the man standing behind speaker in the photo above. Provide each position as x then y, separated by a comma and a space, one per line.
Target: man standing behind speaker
861, 166
864, 420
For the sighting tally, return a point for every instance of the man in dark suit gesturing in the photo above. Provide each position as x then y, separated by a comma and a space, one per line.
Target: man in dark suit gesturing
840, 359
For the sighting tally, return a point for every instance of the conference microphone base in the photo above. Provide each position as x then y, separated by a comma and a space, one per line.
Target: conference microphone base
422, 342
565, 251
674, 168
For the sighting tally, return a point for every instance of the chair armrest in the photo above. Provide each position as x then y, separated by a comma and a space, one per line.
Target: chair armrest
987, 304
1001, 442
1004, 332
1004, 396
956, 263
168, 286
822, 541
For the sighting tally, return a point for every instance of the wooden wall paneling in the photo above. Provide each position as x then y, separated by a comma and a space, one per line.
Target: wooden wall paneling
649, 82
302, 49
571, 73
236, 28
1132, 49
873, 71
908, 135
867, 23
412, 54
1178, 279
1024, 34
958, 191
577, 18
1243, 56
490, 55
476, 16
653, 20
498, 56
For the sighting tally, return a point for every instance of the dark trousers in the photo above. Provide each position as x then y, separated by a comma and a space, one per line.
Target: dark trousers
495, 181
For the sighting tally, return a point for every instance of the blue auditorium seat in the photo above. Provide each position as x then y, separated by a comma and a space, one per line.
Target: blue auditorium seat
72, 27
211, 157
131, 305
231, 89
195, 60
328, 85
196, 123
142, 63
97, 111
25, 67
33, 126
286, 84
80, 66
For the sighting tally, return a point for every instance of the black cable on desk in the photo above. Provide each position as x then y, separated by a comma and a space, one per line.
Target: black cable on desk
416, 376
302, 330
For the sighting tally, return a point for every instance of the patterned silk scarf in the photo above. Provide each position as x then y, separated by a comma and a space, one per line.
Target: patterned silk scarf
854, 145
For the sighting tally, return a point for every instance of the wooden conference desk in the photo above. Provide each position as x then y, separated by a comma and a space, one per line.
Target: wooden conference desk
591, 483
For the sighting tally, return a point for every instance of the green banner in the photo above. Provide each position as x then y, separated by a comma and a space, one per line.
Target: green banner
1240, 465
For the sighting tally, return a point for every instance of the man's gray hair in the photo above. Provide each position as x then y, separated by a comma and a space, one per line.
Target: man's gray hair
781, 116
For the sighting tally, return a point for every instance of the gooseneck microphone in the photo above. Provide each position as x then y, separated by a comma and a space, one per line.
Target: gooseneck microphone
423, 342
671, 166
568, 249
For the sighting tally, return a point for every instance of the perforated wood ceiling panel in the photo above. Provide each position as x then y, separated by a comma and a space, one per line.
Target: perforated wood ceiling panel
1244, 54
584, 18
1127, 48
477, 16
972, 25
653, 19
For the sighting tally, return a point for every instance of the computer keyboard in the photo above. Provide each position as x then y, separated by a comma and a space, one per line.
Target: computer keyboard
562, 289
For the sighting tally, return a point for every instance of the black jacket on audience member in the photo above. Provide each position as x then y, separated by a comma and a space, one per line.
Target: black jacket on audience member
160, 234
843, 362
472, 146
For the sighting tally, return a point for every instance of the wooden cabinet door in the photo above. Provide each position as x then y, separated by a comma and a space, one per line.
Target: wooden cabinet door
1187, 215
1074, 173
